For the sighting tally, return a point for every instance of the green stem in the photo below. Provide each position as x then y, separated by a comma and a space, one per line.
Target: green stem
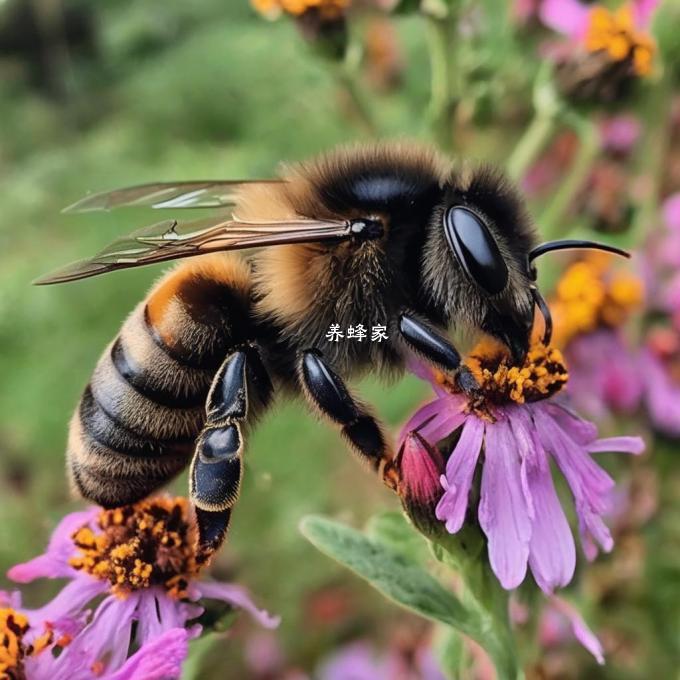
360, 109
651, 159
553, 216
443, 81
530, 145
483, 594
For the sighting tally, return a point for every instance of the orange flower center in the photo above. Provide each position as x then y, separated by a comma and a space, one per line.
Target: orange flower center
139, 546
329, 9
615, 33
590, 296
542, 375
13, 648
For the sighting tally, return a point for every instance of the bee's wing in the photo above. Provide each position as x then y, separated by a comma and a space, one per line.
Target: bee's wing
197, 194
172, 239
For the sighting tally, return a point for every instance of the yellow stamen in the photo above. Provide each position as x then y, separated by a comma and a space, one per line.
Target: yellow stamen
615, 33
150, 543
329, 9
590, 295
13, 627
542, 374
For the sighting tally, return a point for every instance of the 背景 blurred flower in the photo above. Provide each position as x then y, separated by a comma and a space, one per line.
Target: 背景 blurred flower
514, 428
141, 559
607, 49
590, 307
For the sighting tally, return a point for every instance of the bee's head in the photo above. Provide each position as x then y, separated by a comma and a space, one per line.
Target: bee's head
478, 260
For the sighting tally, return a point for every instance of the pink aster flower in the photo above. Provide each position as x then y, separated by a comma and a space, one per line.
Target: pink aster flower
660, 365
514, 429
140, 559
571, 17
620, 133
598, 385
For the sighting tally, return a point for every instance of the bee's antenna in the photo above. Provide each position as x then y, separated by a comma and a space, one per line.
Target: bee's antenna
569, 244
545, 312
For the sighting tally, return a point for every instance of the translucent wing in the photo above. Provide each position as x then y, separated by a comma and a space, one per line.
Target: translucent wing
198, 194
171, 240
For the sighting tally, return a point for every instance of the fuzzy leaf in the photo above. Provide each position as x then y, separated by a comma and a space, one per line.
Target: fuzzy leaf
400, 579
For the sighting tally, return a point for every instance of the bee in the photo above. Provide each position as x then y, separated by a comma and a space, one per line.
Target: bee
388, 235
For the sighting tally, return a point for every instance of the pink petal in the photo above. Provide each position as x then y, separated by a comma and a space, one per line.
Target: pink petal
569, 17
442, 416
105, 639
620, 133
71, 600
642, 12
54, 562
590, 485
634, 445
552, 553
578, 626
238, 597
460, 469
671, 212
662, 395
503, 512
160, 659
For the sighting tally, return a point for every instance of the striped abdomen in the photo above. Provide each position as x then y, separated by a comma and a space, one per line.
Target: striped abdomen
137, 420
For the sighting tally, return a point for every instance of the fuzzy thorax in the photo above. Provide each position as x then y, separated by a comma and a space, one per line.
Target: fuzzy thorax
147, 544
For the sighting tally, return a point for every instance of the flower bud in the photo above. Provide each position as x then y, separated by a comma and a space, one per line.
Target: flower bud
420, 467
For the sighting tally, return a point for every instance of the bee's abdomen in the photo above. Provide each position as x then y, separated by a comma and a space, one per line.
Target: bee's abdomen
137, 420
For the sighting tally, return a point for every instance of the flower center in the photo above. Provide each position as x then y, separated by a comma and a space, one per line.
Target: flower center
590, 296
139, 546
542, 375
615, 33
13, 627
328, 9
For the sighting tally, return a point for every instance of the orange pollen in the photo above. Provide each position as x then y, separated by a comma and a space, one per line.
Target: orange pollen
590, 295
542, 375
328, 9
615, 33
138, 546
13, 627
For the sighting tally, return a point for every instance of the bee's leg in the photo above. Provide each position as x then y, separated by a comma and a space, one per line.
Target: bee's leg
436, 349
328, 393
240, 388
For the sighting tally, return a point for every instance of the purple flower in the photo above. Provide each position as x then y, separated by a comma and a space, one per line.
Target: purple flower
571, 17
520, 430
359, 661
620, 133
662, 389
598, 385
146, 604
552, 630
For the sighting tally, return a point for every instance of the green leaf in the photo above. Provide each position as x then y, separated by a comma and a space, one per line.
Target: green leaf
395, 531
402, 580
398, 578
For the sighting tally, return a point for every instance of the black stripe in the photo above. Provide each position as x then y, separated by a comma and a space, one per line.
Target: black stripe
209, 362
107, 431
138, 378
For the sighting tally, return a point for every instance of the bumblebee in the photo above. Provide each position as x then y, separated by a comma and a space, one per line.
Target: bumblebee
387, 235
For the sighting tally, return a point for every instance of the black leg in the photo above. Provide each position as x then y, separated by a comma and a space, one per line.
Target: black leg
436, 349
217, 466
328, 393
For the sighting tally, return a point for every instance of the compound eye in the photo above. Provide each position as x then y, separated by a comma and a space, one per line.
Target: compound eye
475, 249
